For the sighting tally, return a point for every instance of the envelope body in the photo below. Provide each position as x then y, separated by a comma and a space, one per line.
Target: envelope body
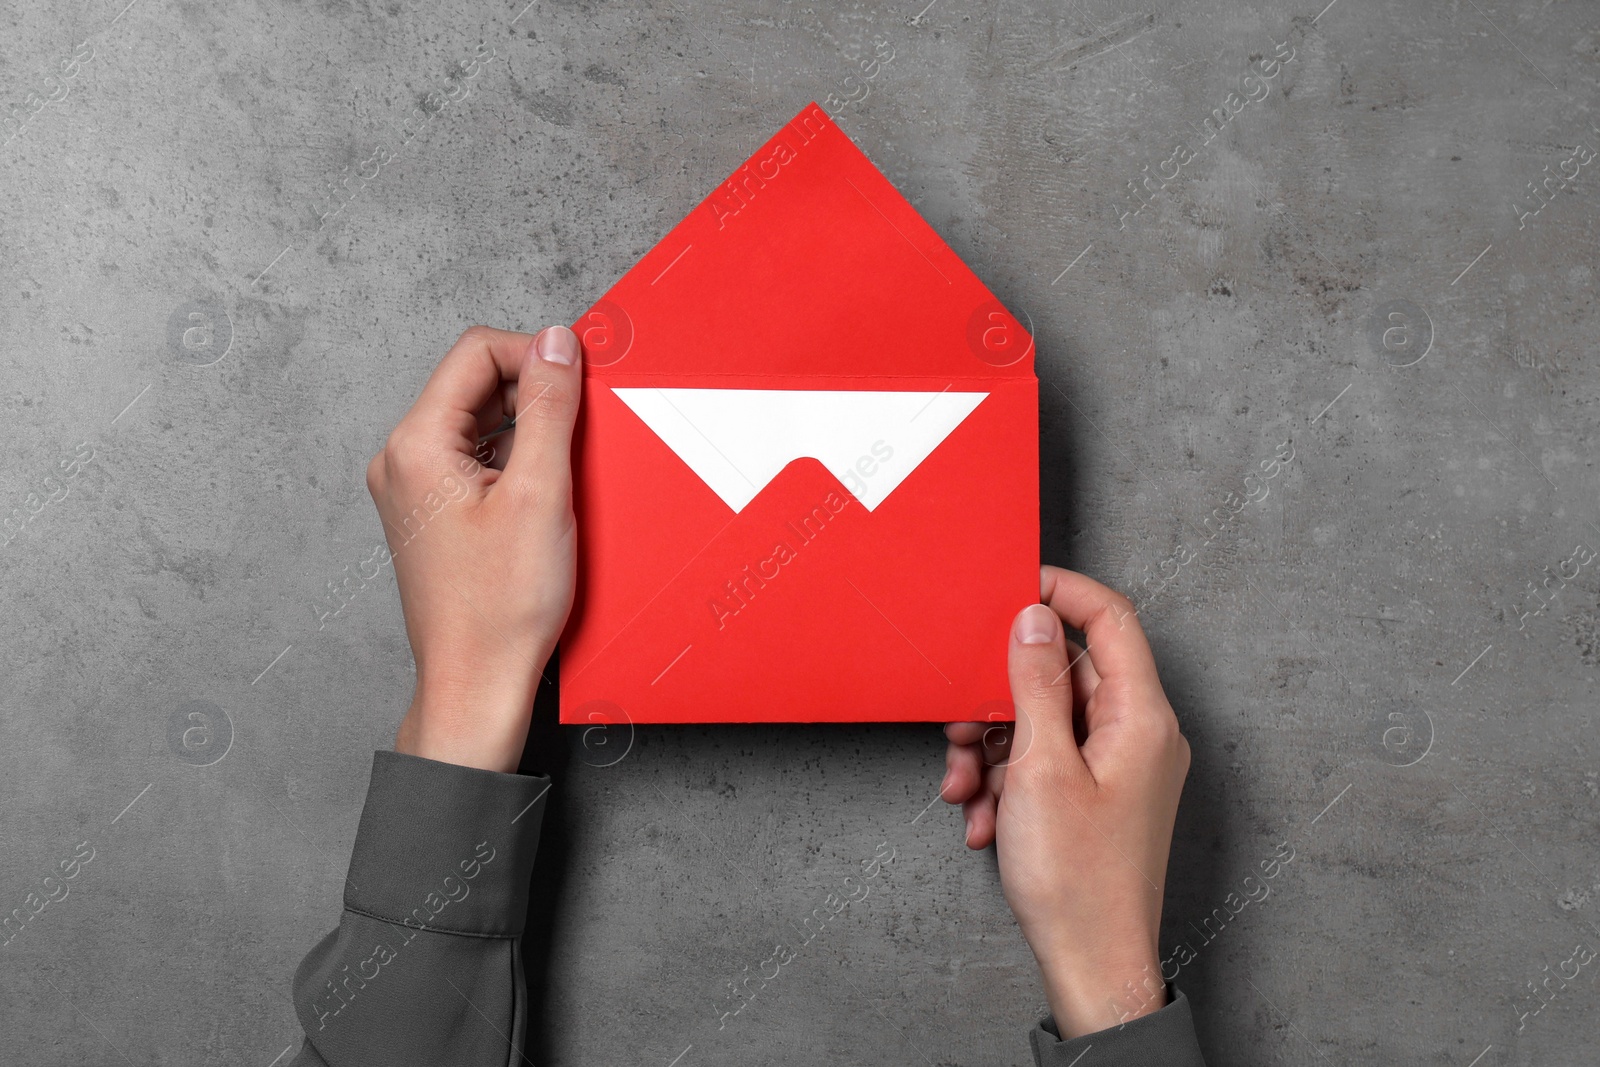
806, 464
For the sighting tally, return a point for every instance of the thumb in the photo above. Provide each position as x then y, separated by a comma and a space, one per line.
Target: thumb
1041, 689
548, 392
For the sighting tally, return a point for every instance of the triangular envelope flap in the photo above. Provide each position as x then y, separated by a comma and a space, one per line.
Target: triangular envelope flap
805, 261
738, 440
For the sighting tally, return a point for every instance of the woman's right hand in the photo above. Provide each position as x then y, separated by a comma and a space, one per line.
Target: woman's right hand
1079, 797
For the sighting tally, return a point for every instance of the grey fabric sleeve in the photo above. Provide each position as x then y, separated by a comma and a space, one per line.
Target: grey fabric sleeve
1163, 1038
425, 966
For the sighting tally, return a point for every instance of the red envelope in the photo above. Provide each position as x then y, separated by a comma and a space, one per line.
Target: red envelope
807, 467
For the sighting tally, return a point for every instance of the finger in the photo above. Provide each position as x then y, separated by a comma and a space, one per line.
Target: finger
979, 813
1037, 664
1084, 682
548, 390
466, 380
966, 733
494, 451
996, 744
496, 433
1115, 640
963, 773
994, 783
1085, 679
491, 417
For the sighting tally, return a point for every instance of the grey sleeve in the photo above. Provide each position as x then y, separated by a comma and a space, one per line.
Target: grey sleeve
425, 966
1163, 1038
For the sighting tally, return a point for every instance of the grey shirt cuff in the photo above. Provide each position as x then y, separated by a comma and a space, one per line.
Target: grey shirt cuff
1163, 1038
425, 966
445, 848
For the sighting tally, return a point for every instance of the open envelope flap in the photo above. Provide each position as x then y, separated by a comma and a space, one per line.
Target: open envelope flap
805, 262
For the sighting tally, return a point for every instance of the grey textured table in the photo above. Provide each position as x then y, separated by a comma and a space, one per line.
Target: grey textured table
1387, 661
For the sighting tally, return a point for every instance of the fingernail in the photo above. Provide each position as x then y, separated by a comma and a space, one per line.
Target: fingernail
558, 345
968, 839
944, 785
1037, 625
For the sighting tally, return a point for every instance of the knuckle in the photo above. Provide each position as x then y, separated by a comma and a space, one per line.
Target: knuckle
550, 402
1118, 607
1157, 733
475, 334
1037, 688
1173, 742
407, 453
1041, 694
1033, 668
375, 473
1165, 730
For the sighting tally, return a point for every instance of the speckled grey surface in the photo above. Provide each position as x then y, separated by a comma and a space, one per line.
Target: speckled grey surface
1387, 662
